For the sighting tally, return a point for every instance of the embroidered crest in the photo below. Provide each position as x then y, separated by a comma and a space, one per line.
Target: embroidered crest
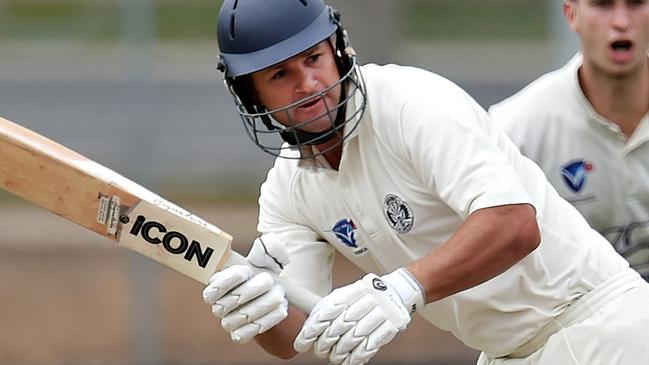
574, 174
398, 214
344, 230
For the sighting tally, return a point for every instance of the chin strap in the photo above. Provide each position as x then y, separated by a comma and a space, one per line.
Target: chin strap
297, 137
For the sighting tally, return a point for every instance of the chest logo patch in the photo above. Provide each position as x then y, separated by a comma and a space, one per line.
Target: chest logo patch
398, 214
345, 231
574, 174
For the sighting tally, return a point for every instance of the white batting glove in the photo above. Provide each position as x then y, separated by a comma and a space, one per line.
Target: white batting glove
351, 324
247, 303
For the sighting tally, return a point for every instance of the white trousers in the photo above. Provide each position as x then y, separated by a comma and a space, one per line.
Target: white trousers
608, 326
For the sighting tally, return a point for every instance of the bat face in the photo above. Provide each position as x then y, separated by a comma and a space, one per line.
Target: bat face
175, 238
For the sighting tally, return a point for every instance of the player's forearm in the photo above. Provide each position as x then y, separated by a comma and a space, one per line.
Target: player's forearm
278, 341
489, 242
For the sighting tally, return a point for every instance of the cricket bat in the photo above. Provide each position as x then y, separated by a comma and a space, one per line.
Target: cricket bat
66, 183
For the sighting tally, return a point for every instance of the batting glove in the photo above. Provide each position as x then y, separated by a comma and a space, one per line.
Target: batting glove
246, 302
351, 324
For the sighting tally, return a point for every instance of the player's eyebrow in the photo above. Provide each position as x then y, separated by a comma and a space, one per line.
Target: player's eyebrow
301, 54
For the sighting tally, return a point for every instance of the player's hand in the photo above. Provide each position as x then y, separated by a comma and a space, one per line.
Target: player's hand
351, 324
247, 303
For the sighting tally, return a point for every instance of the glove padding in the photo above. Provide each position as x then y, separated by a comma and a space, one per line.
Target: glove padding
351, 324
247, 303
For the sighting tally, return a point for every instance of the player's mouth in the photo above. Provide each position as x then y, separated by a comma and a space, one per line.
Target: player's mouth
313, 115
312, 107
308, 104
621, 50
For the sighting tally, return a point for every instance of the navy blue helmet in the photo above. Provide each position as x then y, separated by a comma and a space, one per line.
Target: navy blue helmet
256, 34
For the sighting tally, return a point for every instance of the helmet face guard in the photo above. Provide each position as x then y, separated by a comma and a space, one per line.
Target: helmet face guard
287, 28
264, 130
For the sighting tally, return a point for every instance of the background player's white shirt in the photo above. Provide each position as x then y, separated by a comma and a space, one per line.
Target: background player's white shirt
423, 158
586, 157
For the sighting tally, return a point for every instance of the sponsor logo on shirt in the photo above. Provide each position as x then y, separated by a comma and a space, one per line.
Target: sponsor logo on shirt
574, 174
398, 214
632, 242
345, 231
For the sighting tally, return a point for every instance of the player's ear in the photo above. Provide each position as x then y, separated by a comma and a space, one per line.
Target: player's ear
245, 89
570, 12
250, 88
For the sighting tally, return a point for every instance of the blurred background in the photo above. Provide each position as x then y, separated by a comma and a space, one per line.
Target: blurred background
132, 84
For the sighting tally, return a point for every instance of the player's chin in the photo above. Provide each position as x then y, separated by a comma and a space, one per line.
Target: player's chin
623, 71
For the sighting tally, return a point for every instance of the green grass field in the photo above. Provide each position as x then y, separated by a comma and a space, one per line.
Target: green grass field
187, 19
102, 20
475, 19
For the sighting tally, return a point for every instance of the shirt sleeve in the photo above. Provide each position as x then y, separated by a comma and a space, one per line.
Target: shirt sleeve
311, 259
506, 116
460, 155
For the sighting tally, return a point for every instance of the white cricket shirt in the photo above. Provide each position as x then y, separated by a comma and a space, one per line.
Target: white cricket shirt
586, 157
425, 156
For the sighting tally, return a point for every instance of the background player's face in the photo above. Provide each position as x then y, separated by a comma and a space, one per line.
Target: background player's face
614, 33
301, 76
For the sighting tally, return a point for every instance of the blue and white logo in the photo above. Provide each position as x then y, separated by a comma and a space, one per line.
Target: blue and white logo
345, 231
574, 174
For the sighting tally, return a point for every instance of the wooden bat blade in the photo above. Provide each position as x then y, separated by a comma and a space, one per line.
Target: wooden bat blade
58, 179
40, 171
80, 190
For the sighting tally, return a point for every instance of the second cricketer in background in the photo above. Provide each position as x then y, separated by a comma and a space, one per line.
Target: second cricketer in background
405, 174
587, 124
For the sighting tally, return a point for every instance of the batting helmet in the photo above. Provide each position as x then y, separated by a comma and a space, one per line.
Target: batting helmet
256, 34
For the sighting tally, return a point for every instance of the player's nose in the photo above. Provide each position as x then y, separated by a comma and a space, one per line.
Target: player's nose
621, 19
307, 82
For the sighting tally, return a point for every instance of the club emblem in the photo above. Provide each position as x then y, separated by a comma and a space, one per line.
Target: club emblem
398, 214
574, 174
344, 230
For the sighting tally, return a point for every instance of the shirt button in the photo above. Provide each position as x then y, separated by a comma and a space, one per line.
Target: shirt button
345, 184
357, 209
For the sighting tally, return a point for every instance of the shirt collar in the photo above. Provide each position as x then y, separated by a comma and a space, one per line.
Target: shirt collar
640, 135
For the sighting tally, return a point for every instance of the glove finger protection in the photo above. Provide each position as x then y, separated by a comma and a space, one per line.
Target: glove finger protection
225, 280
345, 345
272, 300
374, 310
326, 310
352, 314
367, 348
348, 322
247, 303
246, 332
360, 331
381, 336
359, 356
252, 288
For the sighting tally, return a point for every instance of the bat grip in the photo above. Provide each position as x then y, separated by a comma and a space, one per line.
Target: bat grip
301, 298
